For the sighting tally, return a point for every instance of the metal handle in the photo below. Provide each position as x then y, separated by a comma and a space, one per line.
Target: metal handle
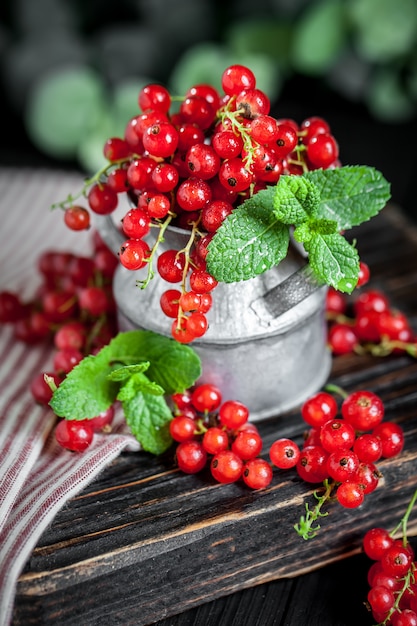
287, 294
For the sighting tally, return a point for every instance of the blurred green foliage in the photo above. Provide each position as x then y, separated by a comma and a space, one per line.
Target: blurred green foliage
72, 69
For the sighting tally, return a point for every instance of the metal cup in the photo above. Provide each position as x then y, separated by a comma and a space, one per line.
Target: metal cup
266, 344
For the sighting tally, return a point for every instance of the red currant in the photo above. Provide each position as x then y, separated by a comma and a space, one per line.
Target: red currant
319, 409
233, 414
363, 410
169, 302
206, 398
381, 599
257, 473
102, 199
74, 435
160, 139
375, 542
171, 265
392, 438
337, 434
322, 150
284, 453
247, 445
350, 494
77, 218
237, 78
191, 457
155, 97
133, 254
226, 467
182, 428
342, 465
215, 440
312, 464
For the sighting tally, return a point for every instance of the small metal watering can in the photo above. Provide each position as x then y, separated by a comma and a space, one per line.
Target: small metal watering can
266, 344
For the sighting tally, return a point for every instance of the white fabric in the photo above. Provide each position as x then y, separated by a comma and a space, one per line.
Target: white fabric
37, 477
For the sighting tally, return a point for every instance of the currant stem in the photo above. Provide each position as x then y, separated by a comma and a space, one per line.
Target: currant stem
186, 252
50, 382
88, 182
404, 520
410, 577
94, 333
305, 527
336, 389
162, 228
248, 143
386, 346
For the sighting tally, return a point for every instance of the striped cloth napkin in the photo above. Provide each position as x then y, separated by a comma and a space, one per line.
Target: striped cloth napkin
37, 477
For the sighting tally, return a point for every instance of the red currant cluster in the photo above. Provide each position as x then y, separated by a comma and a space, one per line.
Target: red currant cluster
73, 308
191, 168
341, 449
346, 448
367, 322
210, 432
392, 597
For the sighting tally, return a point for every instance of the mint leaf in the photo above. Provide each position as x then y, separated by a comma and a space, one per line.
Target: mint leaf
93, 385
87, 389
138, 382
124, 372
295, 199
148, 418
334, 261
350, 195
311, 227
250, 240
173, 366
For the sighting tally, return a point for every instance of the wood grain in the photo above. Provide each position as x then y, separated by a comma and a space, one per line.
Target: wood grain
145, 541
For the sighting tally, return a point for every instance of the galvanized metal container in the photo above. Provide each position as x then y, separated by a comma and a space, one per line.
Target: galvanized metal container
266, 342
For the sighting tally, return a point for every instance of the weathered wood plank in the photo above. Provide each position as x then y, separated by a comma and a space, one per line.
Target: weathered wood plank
120, 552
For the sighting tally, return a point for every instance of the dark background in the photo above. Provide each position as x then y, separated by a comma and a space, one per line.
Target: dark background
165, 30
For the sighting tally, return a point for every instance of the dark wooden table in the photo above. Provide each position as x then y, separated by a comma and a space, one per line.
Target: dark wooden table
145, 544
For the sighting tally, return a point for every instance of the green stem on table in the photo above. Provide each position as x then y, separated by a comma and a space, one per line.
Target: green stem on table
308, 527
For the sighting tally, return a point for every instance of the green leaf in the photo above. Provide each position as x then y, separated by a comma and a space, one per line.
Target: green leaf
63, 108
384, 29
263, 35
89, 153
125, 372
138, 382
148, 418
323, 226
305, 231
93, 385
87, 389
295, 199
250, 240
173, 366
334, 261
387, 96
319, 37
350, 195
124, 101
